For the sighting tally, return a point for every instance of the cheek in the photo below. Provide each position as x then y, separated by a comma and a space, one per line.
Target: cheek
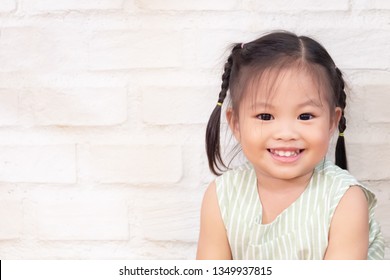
254, 139
320, 138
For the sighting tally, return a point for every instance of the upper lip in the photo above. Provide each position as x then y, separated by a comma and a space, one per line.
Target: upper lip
286, 149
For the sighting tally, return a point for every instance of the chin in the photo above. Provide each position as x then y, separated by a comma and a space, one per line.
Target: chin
288, 176
289, 173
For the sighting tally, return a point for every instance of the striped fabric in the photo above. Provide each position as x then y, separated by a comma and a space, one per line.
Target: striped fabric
300, 231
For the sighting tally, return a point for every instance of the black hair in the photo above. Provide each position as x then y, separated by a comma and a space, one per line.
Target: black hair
267, 52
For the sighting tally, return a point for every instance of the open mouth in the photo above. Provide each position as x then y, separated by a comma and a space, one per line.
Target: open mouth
286, 153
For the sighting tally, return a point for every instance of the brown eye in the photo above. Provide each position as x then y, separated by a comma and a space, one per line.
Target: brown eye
265, 117
305, 117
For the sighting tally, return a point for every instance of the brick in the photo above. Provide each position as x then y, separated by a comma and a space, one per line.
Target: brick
371, 4
188, 103
369, 161
7, 5
367, 104
356, 114
210, 49
369, 55
9, 107
177, 5
298, 5
174, 21
196, 169
79, 106
11, 219
177, 251
48, 5
49, 49
128, 49
162, 78
85, 217
27, 83
140, 164
367, 77
172, 216
30, 164
377, 99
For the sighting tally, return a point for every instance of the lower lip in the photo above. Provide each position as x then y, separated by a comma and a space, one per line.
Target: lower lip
286, 159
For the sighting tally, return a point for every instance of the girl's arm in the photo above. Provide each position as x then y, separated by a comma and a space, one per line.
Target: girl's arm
349, 229
213, 242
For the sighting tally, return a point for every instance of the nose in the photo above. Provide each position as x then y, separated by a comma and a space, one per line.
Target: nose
285, 131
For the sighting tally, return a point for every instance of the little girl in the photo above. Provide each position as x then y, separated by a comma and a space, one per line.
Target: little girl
288, 202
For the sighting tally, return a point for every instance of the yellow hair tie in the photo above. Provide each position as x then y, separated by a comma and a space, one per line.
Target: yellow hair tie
341, 134
219, 104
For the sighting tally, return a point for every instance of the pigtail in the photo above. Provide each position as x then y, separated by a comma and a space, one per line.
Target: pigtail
213, 147
341, 154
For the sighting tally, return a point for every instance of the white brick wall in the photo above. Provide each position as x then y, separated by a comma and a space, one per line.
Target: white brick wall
38, 164
9, 106
78, 106
177, 5
103, 106
139, 164
7, 6
85, 217
48, 5
11, 218
300, 5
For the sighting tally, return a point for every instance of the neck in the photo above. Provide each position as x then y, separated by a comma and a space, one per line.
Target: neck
276, 184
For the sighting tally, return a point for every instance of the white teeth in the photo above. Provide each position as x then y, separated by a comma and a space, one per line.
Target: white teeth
285, 153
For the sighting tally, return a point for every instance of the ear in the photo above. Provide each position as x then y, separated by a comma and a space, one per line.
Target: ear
335, 120
233, 123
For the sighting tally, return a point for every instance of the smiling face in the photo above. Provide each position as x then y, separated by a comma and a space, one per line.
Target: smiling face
284, 130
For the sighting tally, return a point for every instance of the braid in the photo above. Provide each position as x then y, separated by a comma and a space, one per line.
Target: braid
213, 149
225, 79
341, 155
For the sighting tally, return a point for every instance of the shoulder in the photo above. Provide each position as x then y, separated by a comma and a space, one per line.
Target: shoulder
233, 178
210, 195
351, 207
210, 209
232, 186
349, 229
242, 170
340, 183
213, 242
331, 173
354, 201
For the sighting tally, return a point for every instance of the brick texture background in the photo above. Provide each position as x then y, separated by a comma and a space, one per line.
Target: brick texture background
103, 106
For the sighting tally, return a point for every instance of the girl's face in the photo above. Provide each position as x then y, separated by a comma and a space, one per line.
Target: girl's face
285, 131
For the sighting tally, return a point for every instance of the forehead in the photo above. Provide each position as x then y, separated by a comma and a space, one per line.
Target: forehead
287, 86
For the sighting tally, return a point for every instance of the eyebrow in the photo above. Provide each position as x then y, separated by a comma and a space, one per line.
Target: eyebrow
271, 106
262, 104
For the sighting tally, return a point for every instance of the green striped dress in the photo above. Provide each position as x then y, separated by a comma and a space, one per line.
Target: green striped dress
300, 231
